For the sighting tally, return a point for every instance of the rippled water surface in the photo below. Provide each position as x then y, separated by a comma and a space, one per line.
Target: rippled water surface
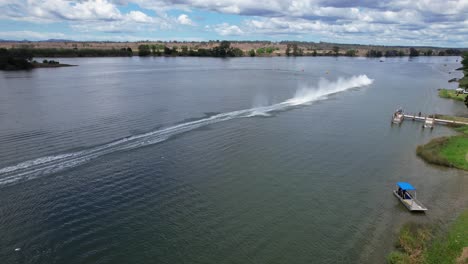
199, 160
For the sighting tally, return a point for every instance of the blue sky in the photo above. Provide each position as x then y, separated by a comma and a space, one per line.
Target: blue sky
385, 22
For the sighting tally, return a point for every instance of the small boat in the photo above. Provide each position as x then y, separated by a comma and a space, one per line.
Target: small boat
406, 193
429, 123
398, 116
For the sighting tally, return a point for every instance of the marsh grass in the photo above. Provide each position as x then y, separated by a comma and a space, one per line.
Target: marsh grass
412, 241
417, 245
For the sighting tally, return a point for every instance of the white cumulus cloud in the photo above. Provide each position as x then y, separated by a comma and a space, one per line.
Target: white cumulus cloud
185, 20
226, 29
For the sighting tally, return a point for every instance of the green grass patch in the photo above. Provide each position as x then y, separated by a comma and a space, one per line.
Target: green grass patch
445, 250
446, 151
451, 94
462, 129
430, 152
417, 245
455, 151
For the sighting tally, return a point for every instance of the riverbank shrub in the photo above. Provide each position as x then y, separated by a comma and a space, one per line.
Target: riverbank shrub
412, 241
417, 244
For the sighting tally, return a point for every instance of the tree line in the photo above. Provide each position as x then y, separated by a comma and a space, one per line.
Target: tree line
413, 52
223, 50
15, 59
463, 82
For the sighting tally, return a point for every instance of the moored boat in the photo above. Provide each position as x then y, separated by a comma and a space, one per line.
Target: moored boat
406, 193
398, 116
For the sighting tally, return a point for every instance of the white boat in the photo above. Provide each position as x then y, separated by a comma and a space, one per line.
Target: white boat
398, 117
406, 193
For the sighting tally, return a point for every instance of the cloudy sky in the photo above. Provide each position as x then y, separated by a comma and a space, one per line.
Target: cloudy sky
387, 22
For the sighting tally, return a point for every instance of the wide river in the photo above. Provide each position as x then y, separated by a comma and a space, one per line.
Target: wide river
205, 160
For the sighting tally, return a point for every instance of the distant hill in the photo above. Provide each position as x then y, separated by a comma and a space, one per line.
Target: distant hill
28, 41
57, 40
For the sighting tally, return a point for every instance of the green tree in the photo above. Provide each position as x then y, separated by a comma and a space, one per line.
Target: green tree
261, 51
374, 53
288, 50
235, 52
351, 53
413, 52
336, 49
184, 51
464, 61
252, 53
224, 48
294, 47
144, 50
167, 51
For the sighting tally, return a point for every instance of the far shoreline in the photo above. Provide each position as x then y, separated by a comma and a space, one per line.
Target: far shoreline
47, 65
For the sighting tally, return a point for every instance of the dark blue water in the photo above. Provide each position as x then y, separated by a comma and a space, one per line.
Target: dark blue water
198, 160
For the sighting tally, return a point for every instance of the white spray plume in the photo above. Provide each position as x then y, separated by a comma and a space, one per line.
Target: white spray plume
326, 87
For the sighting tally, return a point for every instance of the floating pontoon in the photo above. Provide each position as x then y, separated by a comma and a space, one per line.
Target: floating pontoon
406, 193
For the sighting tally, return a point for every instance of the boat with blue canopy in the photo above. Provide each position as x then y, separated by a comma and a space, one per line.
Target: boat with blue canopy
406, 193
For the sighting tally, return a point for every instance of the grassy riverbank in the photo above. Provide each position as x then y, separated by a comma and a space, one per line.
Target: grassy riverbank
448, 151
462, 83
451, 94
418, 245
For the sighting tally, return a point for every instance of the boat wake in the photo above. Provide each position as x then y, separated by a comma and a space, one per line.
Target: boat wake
51, 164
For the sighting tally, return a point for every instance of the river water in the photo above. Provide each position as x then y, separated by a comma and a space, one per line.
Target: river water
204, 160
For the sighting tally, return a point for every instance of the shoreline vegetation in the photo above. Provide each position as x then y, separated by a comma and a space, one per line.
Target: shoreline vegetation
419, 244
447, 151
462, 83
452, 94
220, 49
450, 151
19, 55
11, 60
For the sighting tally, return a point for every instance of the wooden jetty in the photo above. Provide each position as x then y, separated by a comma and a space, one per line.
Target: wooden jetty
434, 120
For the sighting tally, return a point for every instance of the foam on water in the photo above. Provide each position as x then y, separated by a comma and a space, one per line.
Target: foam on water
51, 164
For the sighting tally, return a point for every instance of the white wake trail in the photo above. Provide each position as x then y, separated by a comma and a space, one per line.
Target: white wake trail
51, 164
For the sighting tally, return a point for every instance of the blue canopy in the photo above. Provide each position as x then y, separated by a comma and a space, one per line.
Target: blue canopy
406, 186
